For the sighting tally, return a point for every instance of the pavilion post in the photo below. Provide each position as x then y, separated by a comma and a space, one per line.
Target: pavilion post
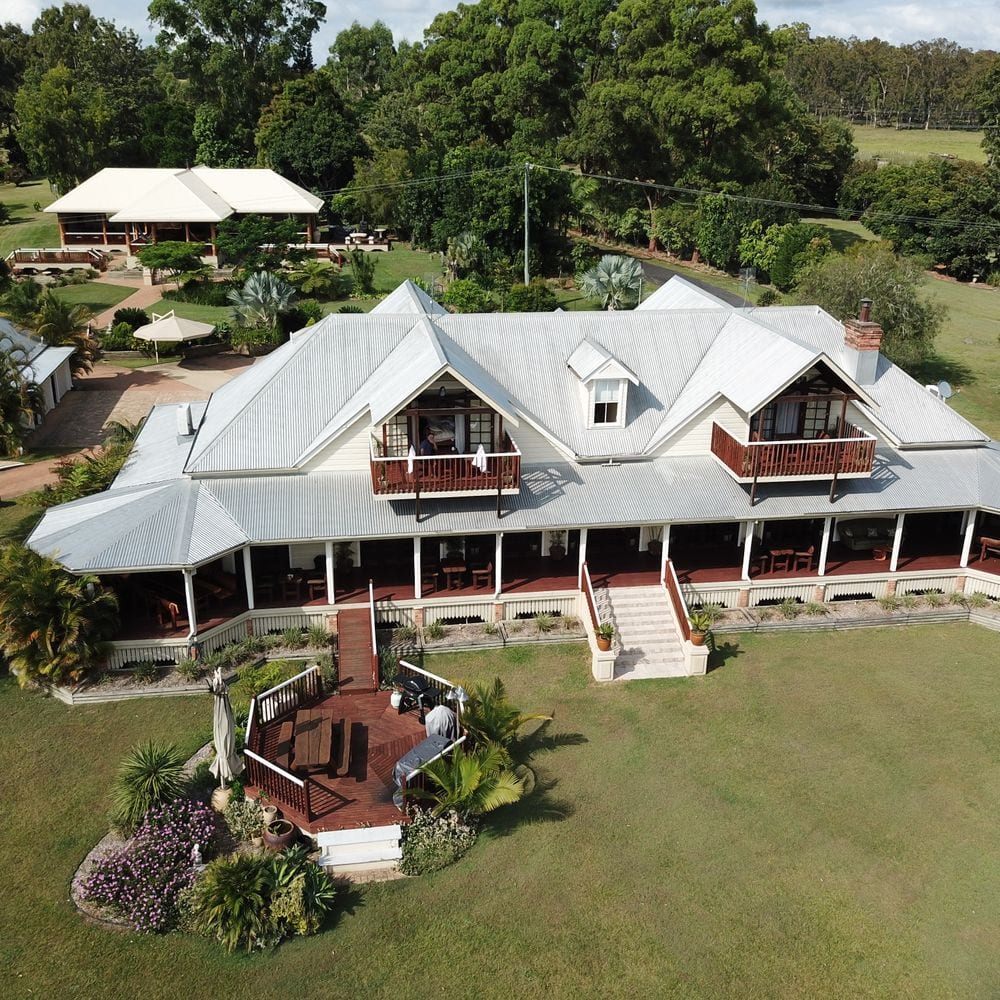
189, 600
747, 549
417, 570
498, 565
583, 558
248, 576
897, 542
824, 546
331, 594
970, 532
664, 552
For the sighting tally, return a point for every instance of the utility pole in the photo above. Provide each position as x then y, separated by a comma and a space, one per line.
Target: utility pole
527, 275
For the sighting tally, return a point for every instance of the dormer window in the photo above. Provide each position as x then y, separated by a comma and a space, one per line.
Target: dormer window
605, 380
608, 402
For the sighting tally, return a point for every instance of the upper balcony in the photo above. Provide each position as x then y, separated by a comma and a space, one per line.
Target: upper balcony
850, 455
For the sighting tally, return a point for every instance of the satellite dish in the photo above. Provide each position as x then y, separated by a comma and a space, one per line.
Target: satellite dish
944, 390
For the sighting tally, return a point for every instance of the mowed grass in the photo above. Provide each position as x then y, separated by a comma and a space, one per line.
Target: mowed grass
27, 227
814, 818
907, 145
94, 295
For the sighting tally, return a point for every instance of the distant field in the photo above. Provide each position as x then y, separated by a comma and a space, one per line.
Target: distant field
906, 145
27, 227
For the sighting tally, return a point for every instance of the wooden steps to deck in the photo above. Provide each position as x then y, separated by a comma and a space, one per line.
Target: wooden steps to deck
356, 651
356, 850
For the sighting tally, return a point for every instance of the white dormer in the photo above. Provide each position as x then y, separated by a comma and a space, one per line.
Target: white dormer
605, 380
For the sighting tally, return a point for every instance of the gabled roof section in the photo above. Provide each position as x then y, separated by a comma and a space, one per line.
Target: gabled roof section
409, 298
111, 189
679, 293
258, 189
590, 360
181, 197
416, 362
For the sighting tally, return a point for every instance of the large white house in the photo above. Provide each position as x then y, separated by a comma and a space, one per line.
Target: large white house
122, 209
490, 467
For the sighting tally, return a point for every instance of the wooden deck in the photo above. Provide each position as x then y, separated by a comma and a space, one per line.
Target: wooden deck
363, 796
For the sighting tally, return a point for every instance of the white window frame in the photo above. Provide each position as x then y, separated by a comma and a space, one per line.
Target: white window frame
622, 400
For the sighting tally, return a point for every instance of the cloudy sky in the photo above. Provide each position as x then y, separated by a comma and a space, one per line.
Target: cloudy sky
970, 22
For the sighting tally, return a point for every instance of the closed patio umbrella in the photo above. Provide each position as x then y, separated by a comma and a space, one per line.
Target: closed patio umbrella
171, 329
227, 764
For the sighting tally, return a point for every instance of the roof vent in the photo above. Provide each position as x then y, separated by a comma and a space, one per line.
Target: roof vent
185, 421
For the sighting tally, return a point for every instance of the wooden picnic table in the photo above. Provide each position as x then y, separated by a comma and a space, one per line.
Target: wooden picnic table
313, 738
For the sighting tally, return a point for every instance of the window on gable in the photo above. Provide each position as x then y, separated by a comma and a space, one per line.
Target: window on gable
607, 401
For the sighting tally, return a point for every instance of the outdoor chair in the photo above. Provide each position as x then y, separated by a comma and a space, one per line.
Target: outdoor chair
804, 559
265, 588
483, 576
429, 575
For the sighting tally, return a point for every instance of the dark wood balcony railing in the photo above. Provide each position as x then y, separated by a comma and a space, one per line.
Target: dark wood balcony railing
436, 474
850, 455
52, 257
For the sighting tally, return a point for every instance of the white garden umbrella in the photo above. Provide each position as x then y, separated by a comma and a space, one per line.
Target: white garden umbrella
227, 764
171, 329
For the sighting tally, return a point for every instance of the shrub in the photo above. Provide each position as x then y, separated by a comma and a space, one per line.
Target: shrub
143, 880
255, 338
890, 603
4, 213
434, 842
533, 297
351, 310
145, 672
435, 631
119, 338
150, 774
293, 638
405, 633
490, 628
363, 272
769, 297
570, 622
978, 600
327, 670
465, 295
209, 293
544, 623
318, 637
244, 817
935, 599
790, 608
255, 678
909, 601
816, 608
256, 900
192, 670
131, 317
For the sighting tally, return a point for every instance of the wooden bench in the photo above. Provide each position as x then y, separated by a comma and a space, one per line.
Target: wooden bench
342, 762
283, 751
988, 547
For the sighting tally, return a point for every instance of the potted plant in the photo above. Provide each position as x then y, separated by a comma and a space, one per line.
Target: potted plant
655, 543
270, 812
557, 550
343, 559
701, 627
279, 835
605, 633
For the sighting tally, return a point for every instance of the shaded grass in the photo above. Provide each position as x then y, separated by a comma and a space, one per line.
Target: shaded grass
907, 145
814, 819
27, 227
17, 519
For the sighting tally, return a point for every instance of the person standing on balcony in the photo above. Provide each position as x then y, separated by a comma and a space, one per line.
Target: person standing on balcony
427, 446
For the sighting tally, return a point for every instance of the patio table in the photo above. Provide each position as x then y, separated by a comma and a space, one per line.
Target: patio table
781, 558
291, 587
313, 738
454, 574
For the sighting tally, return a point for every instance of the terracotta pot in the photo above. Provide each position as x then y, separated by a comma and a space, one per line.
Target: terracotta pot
220, 799
697, 638
603, 643
280, 835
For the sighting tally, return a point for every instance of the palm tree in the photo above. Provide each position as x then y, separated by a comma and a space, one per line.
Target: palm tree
615, 280
53, 625
20, 402
470, 783
490, 718
460, 253
316, 277
20, 302
262, 301
58, 322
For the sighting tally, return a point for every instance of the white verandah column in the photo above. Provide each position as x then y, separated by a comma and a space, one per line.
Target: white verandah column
664, 552
824, 546
331, 594
498, 565
897, 542
189, 600
417, 570
970, 533
747, 549
248, 576
583, 558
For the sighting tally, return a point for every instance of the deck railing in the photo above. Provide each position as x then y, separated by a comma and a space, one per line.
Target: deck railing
588, 592
852, 454
405, 667
673, 587
278, 783
422, 474
284, 697
415, 779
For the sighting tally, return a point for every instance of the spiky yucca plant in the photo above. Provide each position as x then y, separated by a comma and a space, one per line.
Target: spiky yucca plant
491, 718
470, 783
150, 774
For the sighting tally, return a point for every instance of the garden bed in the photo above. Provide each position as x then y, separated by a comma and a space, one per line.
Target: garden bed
438, 638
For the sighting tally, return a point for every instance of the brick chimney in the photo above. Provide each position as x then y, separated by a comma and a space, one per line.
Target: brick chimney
862, 340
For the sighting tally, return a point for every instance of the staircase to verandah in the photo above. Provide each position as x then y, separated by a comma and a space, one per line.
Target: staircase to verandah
646, 640
357, 652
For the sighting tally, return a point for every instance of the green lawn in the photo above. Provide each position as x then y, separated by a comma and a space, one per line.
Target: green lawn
906, 145
27, 227
95, 295
815, 818
16, 519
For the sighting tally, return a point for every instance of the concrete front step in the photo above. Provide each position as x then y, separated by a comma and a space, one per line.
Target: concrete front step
646, 643
373, 847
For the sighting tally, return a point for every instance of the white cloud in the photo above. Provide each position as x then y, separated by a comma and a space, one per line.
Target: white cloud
22, 12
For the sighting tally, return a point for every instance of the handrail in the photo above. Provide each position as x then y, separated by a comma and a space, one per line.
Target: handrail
447, 749
250, 718
291, 680
426, 673
274, 767
861, 435
437, 458
673, 587
371, 612
588, 590
290, 694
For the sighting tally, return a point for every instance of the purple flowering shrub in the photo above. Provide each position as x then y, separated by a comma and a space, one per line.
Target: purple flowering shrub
143, 879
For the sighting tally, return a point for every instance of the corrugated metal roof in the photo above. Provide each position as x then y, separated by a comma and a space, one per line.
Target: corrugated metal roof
158, 453
409, 298
679, 293
181, 197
